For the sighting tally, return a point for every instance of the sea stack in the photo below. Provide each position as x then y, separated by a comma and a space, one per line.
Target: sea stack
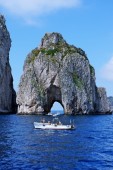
57, 71
110, 100
7, 93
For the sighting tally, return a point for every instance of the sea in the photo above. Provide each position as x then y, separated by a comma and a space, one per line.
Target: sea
88, 147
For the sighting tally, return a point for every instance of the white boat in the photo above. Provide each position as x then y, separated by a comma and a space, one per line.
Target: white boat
50, 114
57, 114
54, 114
53, 126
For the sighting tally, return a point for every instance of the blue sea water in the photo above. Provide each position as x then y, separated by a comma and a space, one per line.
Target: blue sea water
89, 147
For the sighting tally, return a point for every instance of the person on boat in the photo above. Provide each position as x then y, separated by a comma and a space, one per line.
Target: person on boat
49, 123
72, 126
43, 121
59, 123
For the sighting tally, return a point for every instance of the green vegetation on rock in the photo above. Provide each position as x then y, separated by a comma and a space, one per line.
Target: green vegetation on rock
33, 56
31, 59
92, 70
43, 50
53, 49
52, 52
77, 80
35, 52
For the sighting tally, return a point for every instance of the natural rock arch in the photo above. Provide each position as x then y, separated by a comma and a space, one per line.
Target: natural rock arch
57, 71
53, 95
57, 107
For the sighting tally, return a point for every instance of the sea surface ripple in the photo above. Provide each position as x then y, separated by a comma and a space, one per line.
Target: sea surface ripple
88, 147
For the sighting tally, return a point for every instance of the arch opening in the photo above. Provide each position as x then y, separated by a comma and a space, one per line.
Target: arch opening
53, 100
57, 107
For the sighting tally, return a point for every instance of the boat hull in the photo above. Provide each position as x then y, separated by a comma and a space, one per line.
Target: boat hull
52, 126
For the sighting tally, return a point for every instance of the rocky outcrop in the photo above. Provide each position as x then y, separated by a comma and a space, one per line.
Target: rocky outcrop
7, 93
110, 100
103, 104
57, 71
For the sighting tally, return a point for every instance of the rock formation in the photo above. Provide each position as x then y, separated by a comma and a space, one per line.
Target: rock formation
110, 100
7, 93
103, 101
57, 71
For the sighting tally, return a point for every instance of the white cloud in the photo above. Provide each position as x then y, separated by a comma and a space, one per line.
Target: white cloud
29, 8
107, 70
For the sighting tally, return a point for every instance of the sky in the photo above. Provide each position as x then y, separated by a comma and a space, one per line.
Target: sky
87, 24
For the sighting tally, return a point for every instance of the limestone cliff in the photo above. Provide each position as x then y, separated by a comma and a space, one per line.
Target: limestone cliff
103, 105
110, 100
57, 71
7, 93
